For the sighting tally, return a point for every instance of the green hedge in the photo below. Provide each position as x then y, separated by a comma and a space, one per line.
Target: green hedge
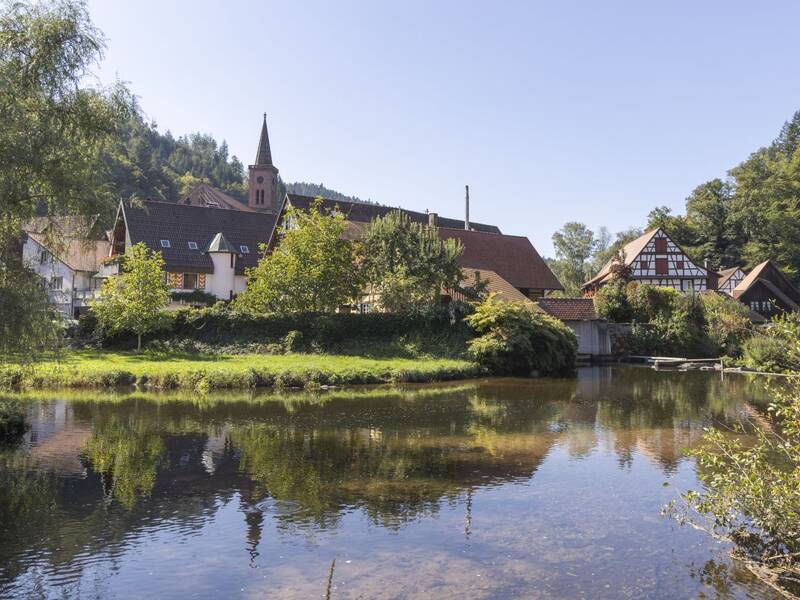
216, 326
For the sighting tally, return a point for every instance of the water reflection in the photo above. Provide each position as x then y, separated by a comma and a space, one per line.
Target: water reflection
552, 486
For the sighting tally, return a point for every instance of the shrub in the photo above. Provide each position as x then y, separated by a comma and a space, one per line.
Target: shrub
517, 339
651, 302
750, 494
727, 322
194, 297
611, 302
764, 353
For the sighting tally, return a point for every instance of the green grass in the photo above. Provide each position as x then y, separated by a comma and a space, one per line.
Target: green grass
209, 372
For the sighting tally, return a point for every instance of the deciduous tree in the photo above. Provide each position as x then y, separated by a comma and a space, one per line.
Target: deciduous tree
134, 299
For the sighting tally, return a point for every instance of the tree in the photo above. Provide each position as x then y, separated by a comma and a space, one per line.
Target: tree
133, 300
574, 244
312, 269
407, 264
55, 134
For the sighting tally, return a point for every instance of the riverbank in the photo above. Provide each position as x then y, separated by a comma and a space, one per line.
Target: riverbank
203, 372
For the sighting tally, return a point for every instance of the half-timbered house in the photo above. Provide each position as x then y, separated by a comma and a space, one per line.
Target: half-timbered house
655, 259
767, 291
728, 279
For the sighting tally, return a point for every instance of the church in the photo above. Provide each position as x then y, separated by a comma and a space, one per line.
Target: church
209, 239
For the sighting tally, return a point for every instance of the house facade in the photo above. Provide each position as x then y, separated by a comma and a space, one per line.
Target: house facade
767, 291
63, 252
655, 259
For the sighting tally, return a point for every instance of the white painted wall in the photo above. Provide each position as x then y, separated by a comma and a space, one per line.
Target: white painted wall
221, 282
52, 267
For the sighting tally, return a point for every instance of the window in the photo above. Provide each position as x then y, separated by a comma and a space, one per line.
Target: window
165, 244
661, 266
679, 264
244, 249
190, 281
56, 283
661, 245
644, 265
687, 285
192, 245
44, 257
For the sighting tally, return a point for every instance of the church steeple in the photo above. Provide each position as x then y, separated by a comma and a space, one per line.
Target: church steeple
264, 154
263, 188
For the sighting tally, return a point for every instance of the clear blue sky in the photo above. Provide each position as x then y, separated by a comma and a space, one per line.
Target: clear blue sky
551, 112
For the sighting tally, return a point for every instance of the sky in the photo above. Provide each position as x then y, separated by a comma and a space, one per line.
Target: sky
550, 111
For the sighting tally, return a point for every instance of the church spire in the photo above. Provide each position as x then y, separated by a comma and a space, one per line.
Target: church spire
264, 155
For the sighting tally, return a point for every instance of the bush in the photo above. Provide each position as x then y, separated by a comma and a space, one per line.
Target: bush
517, 339
218, 328
611, 302
651, 302
727, 322
194, 297
764, 353
750, 494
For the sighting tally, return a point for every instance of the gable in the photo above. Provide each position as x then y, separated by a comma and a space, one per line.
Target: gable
662, 257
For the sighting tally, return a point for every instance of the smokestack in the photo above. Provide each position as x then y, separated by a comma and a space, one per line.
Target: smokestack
432, 219
466, 213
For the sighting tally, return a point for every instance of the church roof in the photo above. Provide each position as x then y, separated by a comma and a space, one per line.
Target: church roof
221, 244
180, 224
264, 154
364, 213
512, 257
209, 196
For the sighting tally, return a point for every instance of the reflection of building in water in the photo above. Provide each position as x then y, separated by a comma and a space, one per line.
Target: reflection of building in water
215, 450
56, 438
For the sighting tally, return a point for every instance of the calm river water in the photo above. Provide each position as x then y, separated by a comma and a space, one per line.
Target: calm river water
484, 489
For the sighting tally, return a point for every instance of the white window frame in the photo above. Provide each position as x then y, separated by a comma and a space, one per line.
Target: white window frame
60, 281
244, 249
192, 245
166, 244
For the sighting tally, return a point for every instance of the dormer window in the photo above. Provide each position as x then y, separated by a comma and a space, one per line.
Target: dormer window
244, 249
192, 245
165, 244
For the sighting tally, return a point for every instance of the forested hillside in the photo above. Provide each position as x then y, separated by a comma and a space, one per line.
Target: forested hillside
146, 163
746, 217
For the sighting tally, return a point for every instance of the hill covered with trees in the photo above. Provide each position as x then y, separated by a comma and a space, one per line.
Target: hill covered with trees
146, 163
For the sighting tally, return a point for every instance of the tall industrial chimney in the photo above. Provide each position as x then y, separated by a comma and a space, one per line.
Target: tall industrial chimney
466, 213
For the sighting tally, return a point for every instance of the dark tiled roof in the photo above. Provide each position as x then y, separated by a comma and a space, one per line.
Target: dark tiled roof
569, 309
180, 224
512, 257
364, 213
206, 195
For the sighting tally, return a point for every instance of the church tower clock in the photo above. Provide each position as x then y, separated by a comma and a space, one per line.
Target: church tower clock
263, 188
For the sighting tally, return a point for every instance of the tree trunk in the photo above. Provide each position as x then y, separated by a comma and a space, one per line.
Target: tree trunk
138, 342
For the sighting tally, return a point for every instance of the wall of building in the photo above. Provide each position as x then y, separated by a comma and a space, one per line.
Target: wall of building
221, 283
592, 337
48, 269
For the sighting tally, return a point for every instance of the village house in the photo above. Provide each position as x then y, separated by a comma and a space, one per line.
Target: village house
579, 315
655, 259
767, 291
67, 253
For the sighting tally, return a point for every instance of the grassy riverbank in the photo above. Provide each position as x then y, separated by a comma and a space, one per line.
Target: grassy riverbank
208, 372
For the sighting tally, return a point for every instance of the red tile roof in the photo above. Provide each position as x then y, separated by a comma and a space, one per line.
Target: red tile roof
512, 257
569, 309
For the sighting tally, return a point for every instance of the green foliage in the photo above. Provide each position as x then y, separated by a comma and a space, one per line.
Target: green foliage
194, 297
574, 244
29, 322
611, 302
312, 269
750, 493
774, 349
13, 424
651, 302
55, 134
517, 339
133, 300
406, 263
727, 322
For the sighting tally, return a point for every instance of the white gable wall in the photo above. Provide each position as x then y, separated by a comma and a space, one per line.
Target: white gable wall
680, 272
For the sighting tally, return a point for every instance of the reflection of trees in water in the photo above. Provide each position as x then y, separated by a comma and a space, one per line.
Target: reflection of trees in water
127, 454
